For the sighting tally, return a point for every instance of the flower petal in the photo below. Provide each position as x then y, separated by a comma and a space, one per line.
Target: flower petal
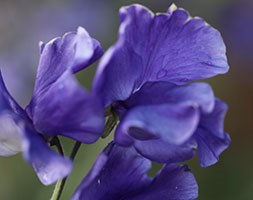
74, 51
10, 115
120, 173
174, 182
49, 166
10, 136
66, 109
17, 135
152, 93
169, 47
171, 123
117, 172
164, 152
210, 135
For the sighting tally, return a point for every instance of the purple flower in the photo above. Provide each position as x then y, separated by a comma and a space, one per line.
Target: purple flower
121, 173
59, 106
144, 77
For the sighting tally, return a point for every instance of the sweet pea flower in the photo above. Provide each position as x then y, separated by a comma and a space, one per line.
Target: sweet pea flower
145, 77
59, 106
121, 173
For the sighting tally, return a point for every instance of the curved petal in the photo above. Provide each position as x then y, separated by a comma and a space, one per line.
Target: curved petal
209, 139
152, 93
120, 173
73, 52
66, 109
210, 135
171, 123
164, 152
49, 166
174, 182
117, 172
169, 47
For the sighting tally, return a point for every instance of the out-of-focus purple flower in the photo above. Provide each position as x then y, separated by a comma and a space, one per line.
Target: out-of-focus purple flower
144, 77
121, 173
59, 106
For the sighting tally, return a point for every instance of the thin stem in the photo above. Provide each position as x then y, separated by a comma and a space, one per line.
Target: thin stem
75, 150
60, 184
58, 189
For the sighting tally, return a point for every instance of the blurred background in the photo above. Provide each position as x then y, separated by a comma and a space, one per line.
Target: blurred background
24, 23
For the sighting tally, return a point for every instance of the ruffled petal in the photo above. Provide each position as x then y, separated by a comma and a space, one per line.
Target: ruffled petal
74, 51
59, 105
117, 172
66, 109
152, 93
210, 135
170, 123
169, 47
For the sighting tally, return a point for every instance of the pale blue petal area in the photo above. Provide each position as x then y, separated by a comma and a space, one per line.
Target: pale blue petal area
10, 136
169, 47
210, 135
48, 165
169, 123
152, 93
10, 115
67, 109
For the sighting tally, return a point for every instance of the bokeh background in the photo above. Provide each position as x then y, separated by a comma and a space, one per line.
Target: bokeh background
23, 23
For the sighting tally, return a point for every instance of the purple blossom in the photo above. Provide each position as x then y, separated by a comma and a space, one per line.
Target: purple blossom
59, 106
145, 77
121, 173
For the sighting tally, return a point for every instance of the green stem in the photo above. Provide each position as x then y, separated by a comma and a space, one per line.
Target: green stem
61, 183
